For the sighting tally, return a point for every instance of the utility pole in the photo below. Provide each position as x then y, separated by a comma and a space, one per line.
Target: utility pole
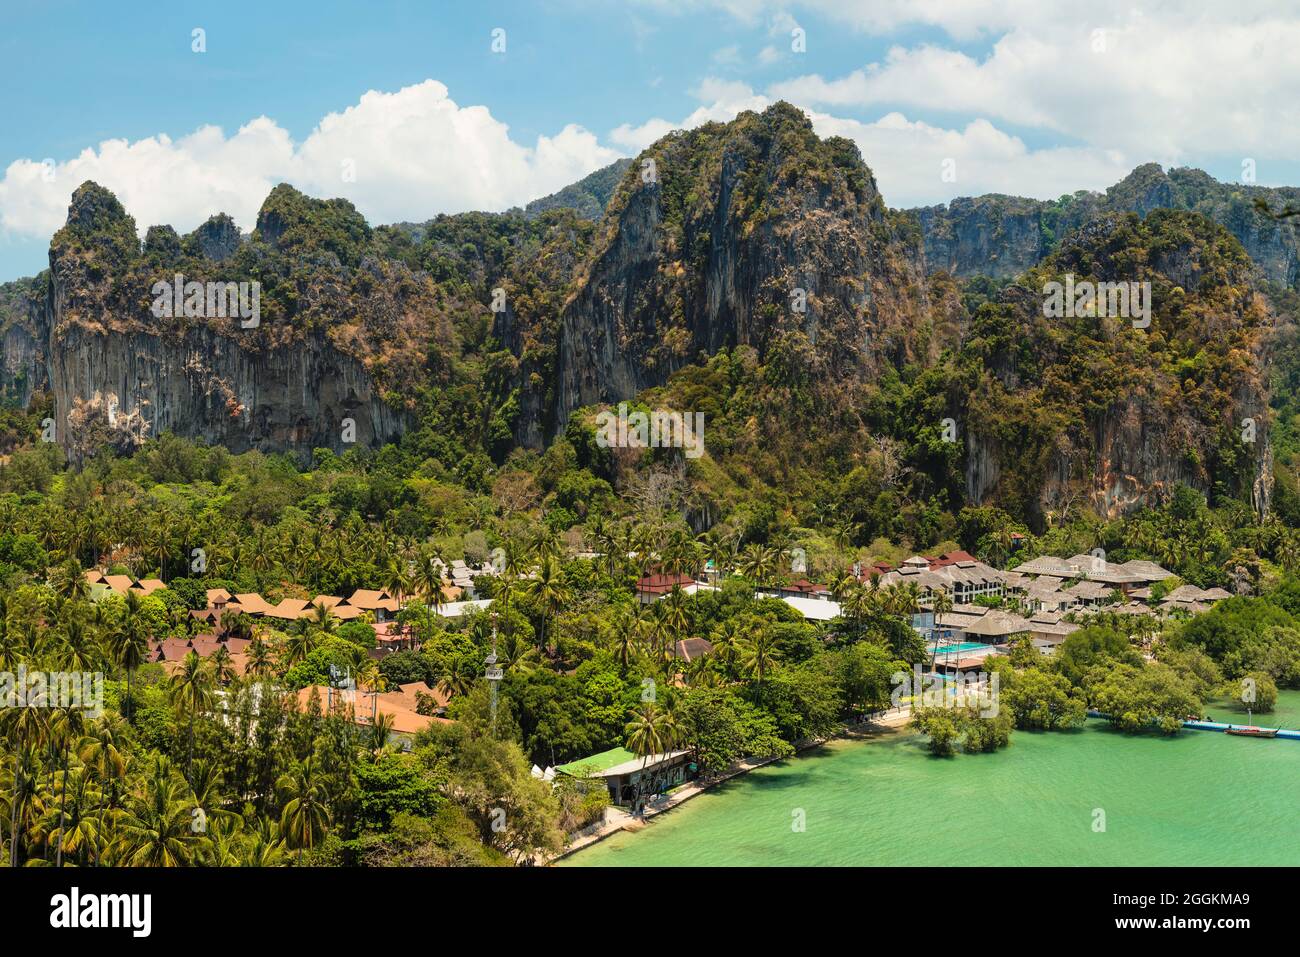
494, 674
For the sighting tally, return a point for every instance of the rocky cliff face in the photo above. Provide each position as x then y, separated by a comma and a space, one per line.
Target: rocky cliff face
87, 333
998, 236
1002, 236
755, 234
1090, 410
23, 339
752, 233
203, 384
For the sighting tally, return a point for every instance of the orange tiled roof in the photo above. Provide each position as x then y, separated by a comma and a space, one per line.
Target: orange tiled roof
237, 646
364, 704
289, 608
371, 600
251, 603
174, 649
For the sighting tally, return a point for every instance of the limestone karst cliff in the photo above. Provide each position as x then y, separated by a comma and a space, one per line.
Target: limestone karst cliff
1002, 236
470, 334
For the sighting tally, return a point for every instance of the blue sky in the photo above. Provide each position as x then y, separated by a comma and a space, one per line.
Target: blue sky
1017, 94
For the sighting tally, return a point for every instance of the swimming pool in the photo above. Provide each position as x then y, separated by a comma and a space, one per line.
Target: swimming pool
958, 647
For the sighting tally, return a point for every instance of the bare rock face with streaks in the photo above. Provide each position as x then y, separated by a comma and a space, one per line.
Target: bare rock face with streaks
754, 233
89, 333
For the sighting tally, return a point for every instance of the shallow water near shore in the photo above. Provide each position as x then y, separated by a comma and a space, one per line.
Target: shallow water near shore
1199, 798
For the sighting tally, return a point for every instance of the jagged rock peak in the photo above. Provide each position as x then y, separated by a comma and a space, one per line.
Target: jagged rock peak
96, 209
218, 239
163, 243
291, 219
1144, 189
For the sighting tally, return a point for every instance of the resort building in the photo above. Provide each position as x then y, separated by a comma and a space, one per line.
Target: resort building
1126, 577
691, 649
1045, 594
1050, 628
627, 776
454, 609
650, 588
101, 584
1089, 593
365, 706
1193, 600
380, 603
461, 575
391, 637
814, 609
958, 574
1149, 572
803, 588
975, 623
170, 652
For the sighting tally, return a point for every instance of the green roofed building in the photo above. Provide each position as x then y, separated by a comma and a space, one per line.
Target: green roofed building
622, 772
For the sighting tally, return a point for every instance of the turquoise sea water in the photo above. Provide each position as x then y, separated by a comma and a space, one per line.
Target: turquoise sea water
1198, 798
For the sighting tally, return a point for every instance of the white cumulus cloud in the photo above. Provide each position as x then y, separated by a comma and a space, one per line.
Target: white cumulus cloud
404, 155
910, 158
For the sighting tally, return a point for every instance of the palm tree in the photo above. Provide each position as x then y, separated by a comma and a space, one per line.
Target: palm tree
861, 604
717, 551
941, 601
265, 848
459, 672
156, 829
515, 654
379, 731
300, 643
1288, 551
726, 640
604, 537
103, 750
625, 638
223, 669
681, 555
1003, 541
842, 585
942, 604
322, 620
759, 564
759, 655
64, 729
551, 591
651, 731
69, 582
234, 623
658, 635
305, 817
397, 580
428, 582
132, 646
843, 534
191, 689
160, 545
18, 790
676, 617
78, 813
261, 661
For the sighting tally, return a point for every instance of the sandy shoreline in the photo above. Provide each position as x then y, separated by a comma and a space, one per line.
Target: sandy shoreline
617, 819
